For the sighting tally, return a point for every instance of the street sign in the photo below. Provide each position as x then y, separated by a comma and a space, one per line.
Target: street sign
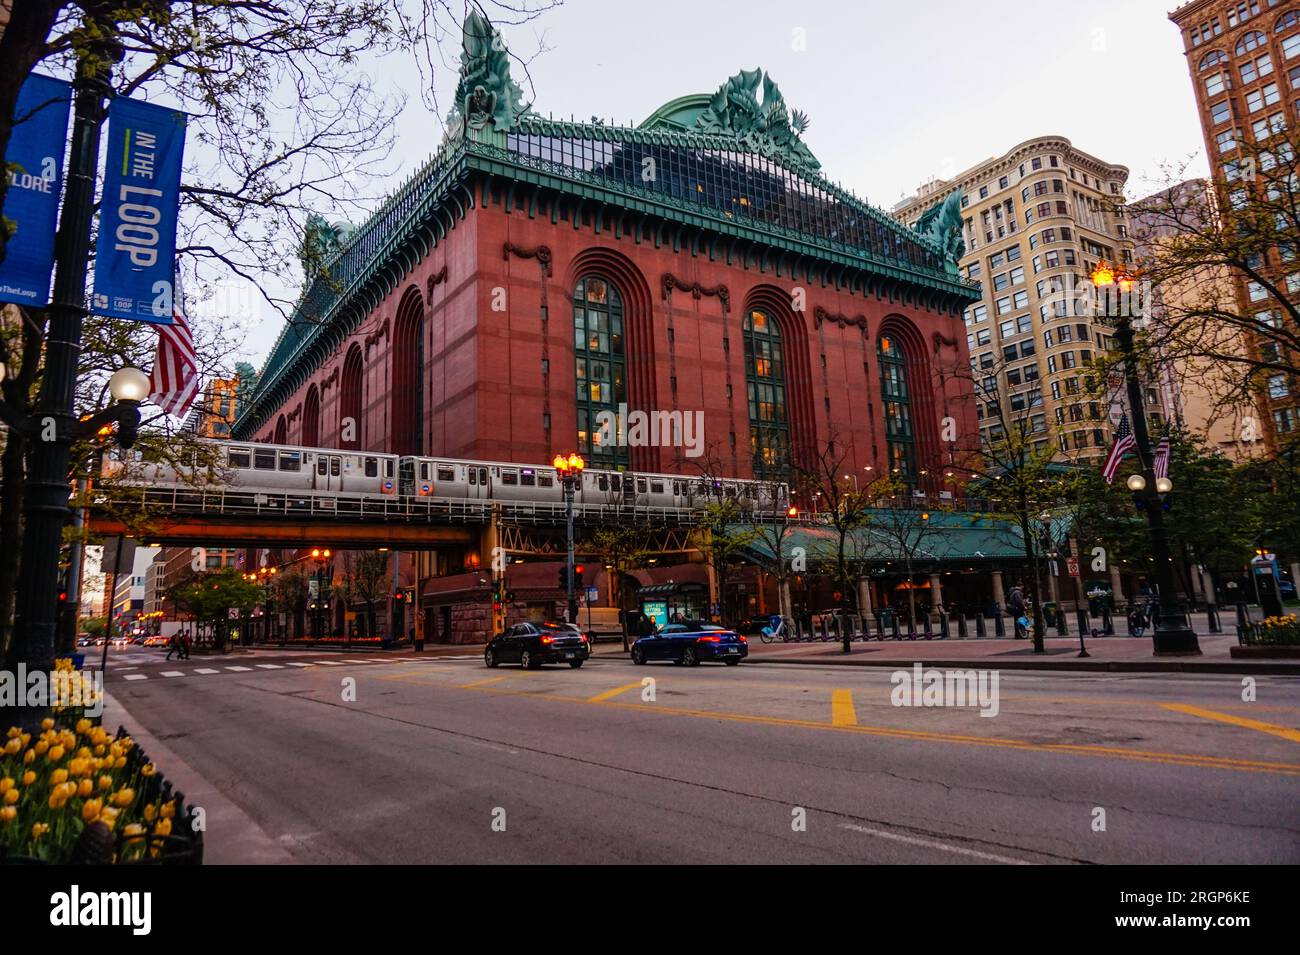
1073, 564
232, 613
593, 593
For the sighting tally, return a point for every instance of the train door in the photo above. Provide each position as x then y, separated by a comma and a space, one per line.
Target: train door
329, 472
479, 488
406, 477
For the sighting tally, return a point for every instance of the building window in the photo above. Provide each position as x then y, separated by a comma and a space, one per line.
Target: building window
600, 367
769, 428
900, 437
1277, 387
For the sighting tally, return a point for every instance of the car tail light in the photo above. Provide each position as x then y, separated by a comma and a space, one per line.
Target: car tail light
547, 639
741, 637
583, 637
710, 639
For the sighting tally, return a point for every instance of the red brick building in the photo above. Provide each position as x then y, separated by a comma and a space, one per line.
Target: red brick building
535, 273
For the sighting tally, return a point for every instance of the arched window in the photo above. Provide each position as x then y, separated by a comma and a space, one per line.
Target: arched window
311, 418
408, 376
900, 435
1213, 58
350, 400
282, 431
600, 369
1249, 41
1287, 20
769, 424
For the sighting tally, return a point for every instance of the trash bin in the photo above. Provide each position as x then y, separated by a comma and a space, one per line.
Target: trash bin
1050, 610
886, 618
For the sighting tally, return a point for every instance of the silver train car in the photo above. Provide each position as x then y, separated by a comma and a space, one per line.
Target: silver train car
248, 466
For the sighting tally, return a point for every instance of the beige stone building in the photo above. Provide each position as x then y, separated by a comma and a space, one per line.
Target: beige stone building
1038, 219
1200, 395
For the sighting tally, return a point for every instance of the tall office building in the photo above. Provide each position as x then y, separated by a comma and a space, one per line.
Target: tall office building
1038, 219
1244, 60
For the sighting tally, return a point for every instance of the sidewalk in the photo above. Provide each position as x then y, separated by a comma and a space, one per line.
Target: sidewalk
1115, 654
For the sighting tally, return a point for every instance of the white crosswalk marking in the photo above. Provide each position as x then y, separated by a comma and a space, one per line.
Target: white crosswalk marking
302, 664
239, 669
171, 673
205, 671
270, 666
328, 663
135, 676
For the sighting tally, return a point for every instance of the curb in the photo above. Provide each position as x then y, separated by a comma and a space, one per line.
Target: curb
1094, 666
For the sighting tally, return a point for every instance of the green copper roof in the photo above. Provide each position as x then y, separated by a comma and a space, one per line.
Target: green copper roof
956, 537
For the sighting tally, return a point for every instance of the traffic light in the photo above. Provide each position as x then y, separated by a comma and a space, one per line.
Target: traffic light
577, 576
564, 578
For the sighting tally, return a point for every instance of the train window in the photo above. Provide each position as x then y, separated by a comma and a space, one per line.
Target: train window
510, 478
677, 489
616, 482
656, 487
239, 458
545, 480
602, 482
322, 465
473, 475
388, 467
640, 486
264, 460
528, 479
290, 461
372, 467
446, 473
424, 470
334, 465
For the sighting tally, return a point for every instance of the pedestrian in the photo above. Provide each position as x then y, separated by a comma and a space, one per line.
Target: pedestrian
173, 645
185, 645
1016, 601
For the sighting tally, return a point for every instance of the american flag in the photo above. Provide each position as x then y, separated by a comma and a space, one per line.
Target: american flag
175, 378
1162, 456
1123, 445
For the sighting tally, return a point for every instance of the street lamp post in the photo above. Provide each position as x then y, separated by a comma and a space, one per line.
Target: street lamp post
570, 467
1172, 632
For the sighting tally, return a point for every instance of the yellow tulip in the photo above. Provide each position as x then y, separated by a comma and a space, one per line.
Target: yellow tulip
14, 732
59, 776
119, 763
47, 724
99, 749
168, 810
56, 754
57, 799
148, 769
133, 830
105, 782
83, 726
109, 817
11, 797
40, 747
149, 812
29, 757
6, 784
29, 777
39, 829
8, 814
124, 797
163, 827
90, 810
85, 788
13, 746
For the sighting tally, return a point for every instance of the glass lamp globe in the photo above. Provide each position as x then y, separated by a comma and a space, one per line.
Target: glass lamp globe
1164, 485
1136, 482
129, 384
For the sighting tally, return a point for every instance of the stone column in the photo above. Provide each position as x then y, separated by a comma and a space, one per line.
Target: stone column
787, 609
1207, 584
1115, 586
999, 596
936, 593
864, 597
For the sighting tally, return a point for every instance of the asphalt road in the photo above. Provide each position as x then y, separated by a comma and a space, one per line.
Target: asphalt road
439, 760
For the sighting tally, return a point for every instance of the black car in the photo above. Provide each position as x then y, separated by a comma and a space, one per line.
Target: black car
689, 642
532, 644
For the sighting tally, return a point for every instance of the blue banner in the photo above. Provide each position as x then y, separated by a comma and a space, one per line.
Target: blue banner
135, 255
35, 163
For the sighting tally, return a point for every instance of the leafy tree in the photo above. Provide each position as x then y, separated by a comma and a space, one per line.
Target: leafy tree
622, 548
370, 581
908, 531
209, 598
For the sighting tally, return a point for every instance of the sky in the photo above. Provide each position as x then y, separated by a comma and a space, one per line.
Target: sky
898, 92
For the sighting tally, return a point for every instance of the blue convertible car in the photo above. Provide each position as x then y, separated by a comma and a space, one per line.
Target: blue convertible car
690, 641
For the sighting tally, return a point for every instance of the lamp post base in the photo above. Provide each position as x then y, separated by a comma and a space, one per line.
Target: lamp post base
1173, 634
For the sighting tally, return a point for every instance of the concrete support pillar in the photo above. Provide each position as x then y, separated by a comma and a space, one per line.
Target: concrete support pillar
1207, 583
999, 596
491, 566
787, 608
1116, 585
864, 597
1053, 594
936, 593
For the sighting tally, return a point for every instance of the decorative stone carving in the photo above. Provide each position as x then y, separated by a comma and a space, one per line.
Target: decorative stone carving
942, 225
321, 240
768, 128
436, 279
541, 253
373, 338
669, 282
330, 379
941, 339
843, 321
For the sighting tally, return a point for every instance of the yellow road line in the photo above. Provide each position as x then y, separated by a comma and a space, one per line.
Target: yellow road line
842, 712
488, 682
610, 694
1283, 731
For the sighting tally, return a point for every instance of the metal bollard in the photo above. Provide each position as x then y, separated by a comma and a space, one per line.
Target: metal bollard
999, 626
925, 626
911, 628
979, 627
893, 621
1107, 624
1212, 614
943, 625
961, 626
1081, 618
1062, 626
